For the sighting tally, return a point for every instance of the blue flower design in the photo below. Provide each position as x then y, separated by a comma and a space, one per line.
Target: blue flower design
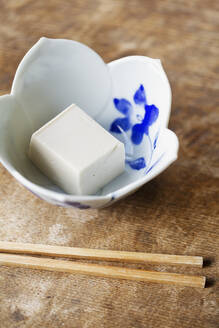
124, 107
124, 124
137, 164
140, 96
150, 116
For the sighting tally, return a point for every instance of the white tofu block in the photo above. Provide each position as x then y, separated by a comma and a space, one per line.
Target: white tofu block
76, 153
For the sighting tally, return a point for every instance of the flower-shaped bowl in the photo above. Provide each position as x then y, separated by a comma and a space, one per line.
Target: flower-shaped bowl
130, 97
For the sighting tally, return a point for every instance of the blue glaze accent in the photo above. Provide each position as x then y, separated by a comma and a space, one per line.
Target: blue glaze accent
77, 205
139, 96
152, 113
137, 164
122, 122
138, 130
155, 163
137, 133
123, 106
155, 140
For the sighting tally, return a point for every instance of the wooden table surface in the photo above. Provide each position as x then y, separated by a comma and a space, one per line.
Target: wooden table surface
176, 213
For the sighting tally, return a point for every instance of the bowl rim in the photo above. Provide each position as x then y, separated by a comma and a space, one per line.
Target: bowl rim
62, 197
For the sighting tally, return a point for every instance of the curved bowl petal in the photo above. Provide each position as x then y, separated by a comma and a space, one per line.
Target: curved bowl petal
57, 72
132, 93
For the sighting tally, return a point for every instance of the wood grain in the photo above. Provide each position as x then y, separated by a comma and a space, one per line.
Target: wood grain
176, 213
98, 270
99, 254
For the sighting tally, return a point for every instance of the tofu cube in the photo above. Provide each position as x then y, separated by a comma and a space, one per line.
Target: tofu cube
76, 153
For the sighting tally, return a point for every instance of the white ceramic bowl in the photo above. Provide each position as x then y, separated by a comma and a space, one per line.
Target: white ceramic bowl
130, 97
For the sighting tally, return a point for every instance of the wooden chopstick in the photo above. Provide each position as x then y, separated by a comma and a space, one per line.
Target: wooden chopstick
101, 270
98, 254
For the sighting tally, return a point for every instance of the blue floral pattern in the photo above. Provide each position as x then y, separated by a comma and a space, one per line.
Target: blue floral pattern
137, 164
124, 124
